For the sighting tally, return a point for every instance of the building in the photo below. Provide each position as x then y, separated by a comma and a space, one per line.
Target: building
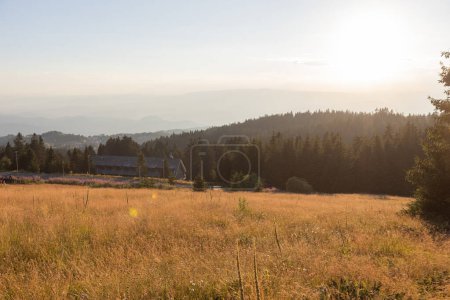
128, 166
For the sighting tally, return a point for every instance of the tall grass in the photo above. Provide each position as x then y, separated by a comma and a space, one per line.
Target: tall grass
181, 244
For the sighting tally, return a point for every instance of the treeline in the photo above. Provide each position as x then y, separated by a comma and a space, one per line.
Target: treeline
334, 151
331, 160
126, 146
345, 123
34, 156
376, 164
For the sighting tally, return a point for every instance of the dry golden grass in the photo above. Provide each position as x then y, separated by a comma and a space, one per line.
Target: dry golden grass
180, 244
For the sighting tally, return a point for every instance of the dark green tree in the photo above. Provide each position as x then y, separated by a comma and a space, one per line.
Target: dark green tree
5, 163
141, 164
76, 160
38, 147
431, 174
88, 154
124, 146
50, 161
19, 143
32, 161
167, 173
9, 151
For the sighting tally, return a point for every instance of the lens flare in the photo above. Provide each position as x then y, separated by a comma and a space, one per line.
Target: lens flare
133, 212
154, 196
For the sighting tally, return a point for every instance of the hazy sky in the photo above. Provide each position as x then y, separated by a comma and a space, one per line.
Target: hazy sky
51, 50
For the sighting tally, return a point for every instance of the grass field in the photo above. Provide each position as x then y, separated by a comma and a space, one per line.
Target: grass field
65, 242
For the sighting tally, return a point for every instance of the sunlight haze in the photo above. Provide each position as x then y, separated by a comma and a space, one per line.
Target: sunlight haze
143, 51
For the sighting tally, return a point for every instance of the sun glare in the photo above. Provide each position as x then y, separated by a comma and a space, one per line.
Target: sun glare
133, 212
368, 48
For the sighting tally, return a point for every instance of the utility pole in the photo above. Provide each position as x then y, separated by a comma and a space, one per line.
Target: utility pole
201, 169
89, 164
17, 163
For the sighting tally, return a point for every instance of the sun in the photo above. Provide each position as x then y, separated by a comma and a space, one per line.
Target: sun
368, 48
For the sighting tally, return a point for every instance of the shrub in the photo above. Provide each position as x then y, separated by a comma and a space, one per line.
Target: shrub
5, 163
243, 209
344, 288
251, 181
199, 184
146, 183
298, 185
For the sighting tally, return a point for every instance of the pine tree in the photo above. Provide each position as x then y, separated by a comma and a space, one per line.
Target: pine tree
141, 164
50, 165
167, 173
9, 153
87, 159
33, 162
19, 143
431, 175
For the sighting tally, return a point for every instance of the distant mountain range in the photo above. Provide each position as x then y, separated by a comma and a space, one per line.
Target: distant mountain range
61, 140
347, 124
110, 114
12, 124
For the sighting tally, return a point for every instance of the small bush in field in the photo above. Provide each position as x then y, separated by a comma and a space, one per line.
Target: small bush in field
298, 185
243, 206
242, 210
199, 184
344, 288
146, 183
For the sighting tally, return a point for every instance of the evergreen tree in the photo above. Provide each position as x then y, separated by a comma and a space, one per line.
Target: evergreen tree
9, 152
32, 161
431, 175
166, 170
20, 156
124, 146
88, 153
19, 143
50, 161
38, 147
141, 164
75, 160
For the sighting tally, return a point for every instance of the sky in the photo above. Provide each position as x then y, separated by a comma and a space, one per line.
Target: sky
97, 57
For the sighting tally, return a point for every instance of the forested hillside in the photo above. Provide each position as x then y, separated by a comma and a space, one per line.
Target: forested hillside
347, 124
333, 151
59, 140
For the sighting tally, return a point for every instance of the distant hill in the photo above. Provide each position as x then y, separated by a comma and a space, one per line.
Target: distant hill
88, 125
61, 140
348, 124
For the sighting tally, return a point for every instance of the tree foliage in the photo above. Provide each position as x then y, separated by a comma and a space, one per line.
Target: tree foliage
336, 152
298, 185
199, 184
431, 174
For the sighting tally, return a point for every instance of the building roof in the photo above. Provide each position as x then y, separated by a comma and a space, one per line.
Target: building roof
131, 162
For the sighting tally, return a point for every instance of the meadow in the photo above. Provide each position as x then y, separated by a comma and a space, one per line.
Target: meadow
59, 241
